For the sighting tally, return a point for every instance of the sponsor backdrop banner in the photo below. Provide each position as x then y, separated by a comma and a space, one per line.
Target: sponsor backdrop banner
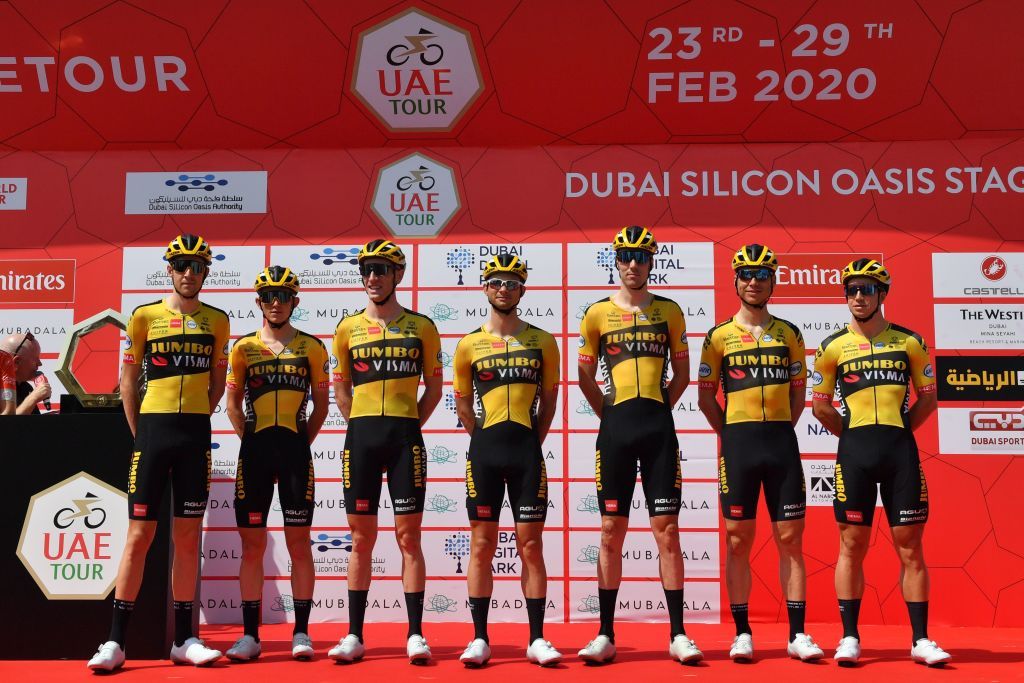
433, 125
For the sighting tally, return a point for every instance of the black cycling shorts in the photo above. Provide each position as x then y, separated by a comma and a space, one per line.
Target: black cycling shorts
374, 445
506, 453
638, 430
173, 446
269, 455
756, 454
885, 455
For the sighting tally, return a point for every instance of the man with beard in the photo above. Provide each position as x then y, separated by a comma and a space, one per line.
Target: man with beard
513, 368
635, 336
182, 344
873, 363
382, 351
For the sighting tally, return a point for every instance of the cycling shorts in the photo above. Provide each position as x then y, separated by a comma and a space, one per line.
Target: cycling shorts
269, 455
173, 446
377, 444
756, 454
506, 453
638, 430
885, 455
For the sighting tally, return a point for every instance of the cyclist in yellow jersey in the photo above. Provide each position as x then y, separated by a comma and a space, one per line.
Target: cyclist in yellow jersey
274, 371
759, 360
513, 368
636, 336
182, 345
382, 351
873, 363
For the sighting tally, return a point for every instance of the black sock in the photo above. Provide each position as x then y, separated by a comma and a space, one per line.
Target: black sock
849, 611
356, 612
119, 625
797, 612
674, 602
478, 608
251, 618
302, 609
606, 601
740, 616
182, 621
414, 608
918, 619
535, 613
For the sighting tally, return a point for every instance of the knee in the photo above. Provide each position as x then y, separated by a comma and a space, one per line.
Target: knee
852, 548
138, 541
253, 547
789, 541
911, 554
531, 551
298, 547
668, 540
739, 545
408, 542
482, 549
611, 539
186, 541
363, 543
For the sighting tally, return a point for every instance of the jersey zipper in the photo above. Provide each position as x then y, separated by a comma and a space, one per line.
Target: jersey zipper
757, 344
636, 358
181, 377
383, 382
874, 387
508, 387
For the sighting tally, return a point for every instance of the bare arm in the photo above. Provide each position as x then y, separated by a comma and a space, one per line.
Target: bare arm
797, 402
707, 401
321, 400
922, 408
39, 393
680, 380
827, 415
343, 397
546, 411
430, 398
234, 409
8, 409
129, 389
464, 409
590, 388
218, 379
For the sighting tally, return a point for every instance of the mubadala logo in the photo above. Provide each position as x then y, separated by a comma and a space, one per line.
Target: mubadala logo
416, 72
416, 196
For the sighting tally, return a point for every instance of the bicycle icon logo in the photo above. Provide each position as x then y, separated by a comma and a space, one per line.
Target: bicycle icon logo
429, 53
419, 177
93, 518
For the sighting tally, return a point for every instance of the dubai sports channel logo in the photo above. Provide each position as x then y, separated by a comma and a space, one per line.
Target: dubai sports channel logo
416, 72
416, 196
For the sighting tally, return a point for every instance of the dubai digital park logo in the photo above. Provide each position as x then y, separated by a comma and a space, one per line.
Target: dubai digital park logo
416, 73
416, 196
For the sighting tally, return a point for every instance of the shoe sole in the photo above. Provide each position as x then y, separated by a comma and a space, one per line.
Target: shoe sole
920, 660
812, 658
742, 658
692, 659
236, 658
303, 656
342, 660
593, 660
420, 659
474, 665
847, 662
100, 669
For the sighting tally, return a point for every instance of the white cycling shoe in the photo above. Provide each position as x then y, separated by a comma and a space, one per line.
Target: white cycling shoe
600, 650
742, 649
108, 657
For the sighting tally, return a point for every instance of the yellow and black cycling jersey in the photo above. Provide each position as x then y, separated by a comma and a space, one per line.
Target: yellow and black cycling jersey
508, 374
756, 373
277, 386
384, 361
178, 351
633, 348
873, 375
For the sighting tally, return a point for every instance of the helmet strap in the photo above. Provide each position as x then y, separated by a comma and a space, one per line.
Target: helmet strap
186, 297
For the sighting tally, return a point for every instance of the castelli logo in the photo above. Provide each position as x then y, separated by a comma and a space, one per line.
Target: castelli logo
416, 72
37, 281
993, 268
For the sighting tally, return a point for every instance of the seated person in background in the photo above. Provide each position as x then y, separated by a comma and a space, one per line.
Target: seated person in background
25, 349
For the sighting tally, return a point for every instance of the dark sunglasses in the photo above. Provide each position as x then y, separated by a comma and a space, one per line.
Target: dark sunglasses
268, 296
378, 269
28, 337
180, 265
510, 285
866, 290
761, 274
628, 255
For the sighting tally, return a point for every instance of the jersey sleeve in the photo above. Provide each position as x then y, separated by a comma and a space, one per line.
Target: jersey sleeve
432, 366
823, 381
921, 371
236, 366
677, 335
221, 342
135, 343
710, 371
590, 338
552, 364
8, 385
462, 381
343, 370
319, 367
797, 360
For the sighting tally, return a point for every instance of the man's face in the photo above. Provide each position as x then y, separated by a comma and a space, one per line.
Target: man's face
500, 295
634, 267
279, 309
863, 304
380, 277
753, 286
187, 275
27, 362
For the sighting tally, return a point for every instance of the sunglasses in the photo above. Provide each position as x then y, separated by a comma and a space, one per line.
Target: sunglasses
761, 274
180, 265
378, 269
866, 290
28, 337
268, 296
510, 285
628, 255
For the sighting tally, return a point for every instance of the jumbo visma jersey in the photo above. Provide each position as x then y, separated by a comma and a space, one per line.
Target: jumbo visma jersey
384, 362
178, 352
756, 372
873, 376
633, 348
507, 374
277, 386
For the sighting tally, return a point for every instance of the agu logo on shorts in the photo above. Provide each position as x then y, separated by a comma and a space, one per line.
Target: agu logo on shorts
73, 537
415, 72
416, 196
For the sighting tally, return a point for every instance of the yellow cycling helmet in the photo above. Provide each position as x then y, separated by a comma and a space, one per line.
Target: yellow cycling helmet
635, 237
277, 277
385, 249
186, 245
755, 256
505, 263
867, 267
